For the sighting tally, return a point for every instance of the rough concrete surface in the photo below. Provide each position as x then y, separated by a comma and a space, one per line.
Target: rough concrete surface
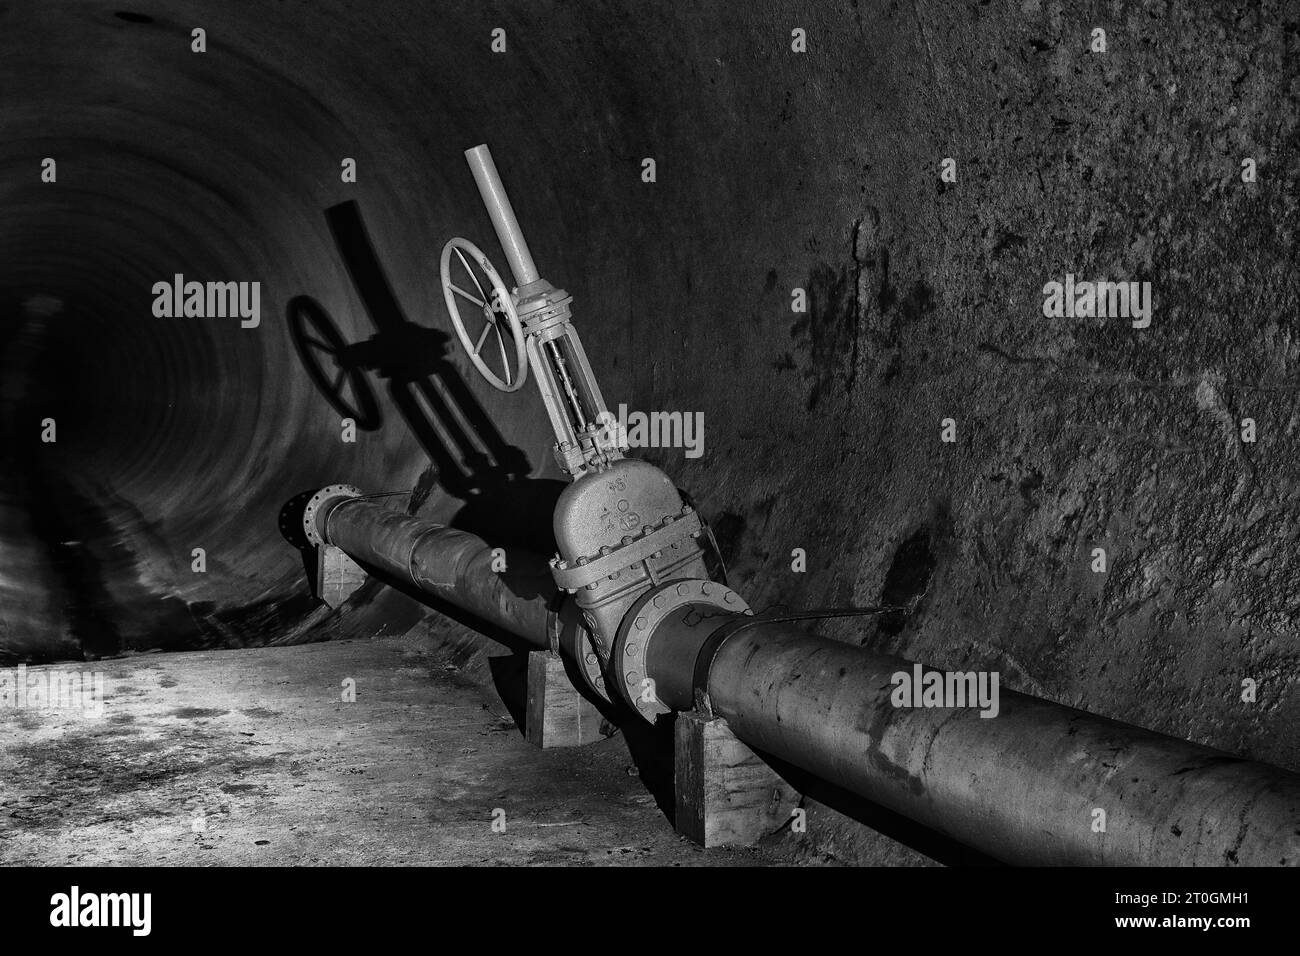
259, 745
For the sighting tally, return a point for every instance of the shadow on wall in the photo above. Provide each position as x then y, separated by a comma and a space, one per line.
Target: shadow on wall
469, 458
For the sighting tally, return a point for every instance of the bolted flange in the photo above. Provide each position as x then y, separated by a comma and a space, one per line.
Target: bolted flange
573, 640
590, 663
310, 513
628, 659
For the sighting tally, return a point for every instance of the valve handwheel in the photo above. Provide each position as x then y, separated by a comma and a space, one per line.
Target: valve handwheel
497, 309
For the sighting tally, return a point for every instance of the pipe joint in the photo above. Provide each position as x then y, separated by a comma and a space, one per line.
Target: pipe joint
653, 660
315, 516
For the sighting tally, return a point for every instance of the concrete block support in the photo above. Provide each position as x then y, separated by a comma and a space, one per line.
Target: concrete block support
557, 715
725, 794
337, 575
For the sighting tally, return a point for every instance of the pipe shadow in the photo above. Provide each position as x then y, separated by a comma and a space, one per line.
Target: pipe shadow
652, 750
937, 846
509, 672
516, 513
292, 530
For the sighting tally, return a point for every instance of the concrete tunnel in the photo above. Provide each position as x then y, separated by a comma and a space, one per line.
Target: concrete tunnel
778, 175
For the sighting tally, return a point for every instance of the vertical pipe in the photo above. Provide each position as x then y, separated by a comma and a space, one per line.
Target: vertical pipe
503, 215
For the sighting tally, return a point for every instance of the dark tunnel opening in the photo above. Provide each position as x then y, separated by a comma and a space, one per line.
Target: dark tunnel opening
138, 518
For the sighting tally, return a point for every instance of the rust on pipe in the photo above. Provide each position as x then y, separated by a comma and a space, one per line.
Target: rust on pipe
446, 563
1023, 786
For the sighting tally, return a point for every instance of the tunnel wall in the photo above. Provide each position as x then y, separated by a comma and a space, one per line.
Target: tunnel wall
776, 171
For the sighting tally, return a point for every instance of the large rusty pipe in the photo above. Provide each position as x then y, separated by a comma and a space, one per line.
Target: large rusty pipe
446, 563
1024, 786
1039, 783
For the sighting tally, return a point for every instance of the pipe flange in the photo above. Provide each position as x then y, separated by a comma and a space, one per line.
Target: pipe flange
574, 642
328, 493
632, 643
589, 661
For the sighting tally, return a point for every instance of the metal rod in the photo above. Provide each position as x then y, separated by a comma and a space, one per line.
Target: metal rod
562, 369
502, 213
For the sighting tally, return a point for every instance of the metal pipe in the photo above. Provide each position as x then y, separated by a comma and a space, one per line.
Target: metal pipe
502, 213
447, 563
1037, 784
1023, 786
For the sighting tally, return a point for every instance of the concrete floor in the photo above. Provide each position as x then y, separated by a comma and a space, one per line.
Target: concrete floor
259, 743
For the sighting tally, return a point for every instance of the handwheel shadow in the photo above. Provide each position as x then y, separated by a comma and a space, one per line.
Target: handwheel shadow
468, 454
469, 458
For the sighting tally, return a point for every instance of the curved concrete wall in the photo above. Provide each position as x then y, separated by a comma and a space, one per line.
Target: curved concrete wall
776, 170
